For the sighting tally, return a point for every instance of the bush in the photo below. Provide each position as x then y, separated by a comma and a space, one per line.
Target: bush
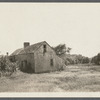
6, 67
96, 59
74, 59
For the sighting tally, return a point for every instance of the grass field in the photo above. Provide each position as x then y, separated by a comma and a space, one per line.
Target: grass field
77, 78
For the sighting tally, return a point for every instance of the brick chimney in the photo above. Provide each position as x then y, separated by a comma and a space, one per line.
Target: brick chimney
26, 44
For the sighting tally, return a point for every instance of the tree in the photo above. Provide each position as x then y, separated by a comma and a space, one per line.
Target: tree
7, 67
96, 59
61, 49
69, 49
85, 60
3, 63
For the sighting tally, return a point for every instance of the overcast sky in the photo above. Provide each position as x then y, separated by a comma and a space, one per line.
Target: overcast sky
76, 25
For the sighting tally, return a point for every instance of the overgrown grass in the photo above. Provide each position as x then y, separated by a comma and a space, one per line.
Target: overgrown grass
77, 78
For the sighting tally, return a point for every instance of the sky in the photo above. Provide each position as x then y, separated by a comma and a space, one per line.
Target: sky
75, 24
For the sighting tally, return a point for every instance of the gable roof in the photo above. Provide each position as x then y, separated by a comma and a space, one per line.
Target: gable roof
16, 52
29, 49
32, 48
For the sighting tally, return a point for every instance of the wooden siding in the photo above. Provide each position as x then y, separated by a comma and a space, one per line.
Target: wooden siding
42, 60
30, 61
39, 58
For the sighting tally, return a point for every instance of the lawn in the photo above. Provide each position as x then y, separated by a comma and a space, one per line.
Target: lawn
75, 78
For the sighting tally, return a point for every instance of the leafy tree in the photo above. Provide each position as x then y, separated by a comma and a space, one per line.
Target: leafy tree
7, 67
61, 49
85, 60
2, 63
68, 49
64, 52
98, 58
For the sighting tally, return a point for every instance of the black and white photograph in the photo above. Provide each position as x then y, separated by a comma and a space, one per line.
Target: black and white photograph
49, 48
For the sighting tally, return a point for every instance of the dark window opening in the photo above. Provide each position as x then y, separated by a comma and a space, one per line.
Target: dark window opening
44, 48
51, 62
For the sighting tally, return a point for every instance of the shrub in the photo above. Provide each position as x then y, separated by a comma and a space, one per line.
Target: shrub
7, 67
96, 59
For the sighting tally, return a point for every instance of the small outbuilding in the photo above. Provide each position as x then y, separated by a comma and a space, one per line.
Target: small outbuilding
37, 58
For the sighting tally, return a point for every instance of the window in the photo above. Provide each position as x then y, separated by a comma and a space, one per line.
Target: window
44, 48
51, 62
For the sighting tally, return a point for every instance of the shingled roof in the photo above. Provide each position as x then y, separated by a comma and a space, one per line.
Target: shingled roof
16, 52
29, 49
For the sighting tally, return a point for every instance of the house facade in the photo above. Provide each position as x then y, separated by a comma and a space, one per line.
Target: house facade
37, 58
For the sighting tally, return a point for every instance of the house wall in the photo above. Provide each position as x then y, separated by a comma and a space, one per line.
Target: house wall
59, 63
42, 60
29, 58
39, 61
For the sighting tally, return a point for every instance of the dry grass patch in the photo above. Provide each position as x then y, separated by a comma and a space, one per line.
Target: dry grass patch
73, 79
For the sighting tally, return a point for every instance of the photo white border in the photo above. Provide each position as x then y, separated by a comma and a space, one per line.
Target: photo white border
49, 94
